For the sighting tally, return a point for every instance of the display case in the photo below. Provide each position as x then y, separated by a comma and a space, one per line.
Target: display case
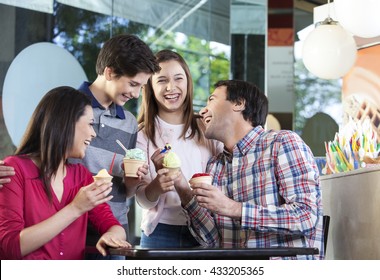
352, 200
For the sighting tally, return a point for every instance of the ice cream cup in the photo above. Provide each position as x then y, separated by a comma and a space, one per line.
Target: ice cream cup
107, 179
131, 166
172, 170
201, 179
103, 175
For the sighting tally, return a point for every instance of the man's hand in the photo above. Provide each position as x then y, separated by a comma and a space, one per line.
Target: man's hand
214, 200
5, 173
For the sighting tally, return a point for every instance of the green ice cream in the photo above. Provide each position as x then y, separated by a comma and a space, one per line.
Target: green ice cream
135, 154
171, 160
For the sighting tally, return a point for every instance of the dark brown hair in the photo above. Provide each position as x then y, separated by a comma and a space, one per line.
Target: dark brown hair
127, 55
50, 132
256, 103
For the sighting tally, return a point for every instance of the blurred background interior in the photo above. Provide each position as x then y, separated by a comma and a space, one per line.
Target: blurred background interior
254, 40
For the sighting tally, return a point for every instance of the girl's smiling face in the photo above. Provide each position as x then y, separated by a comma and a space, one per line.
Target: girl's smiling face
170, 86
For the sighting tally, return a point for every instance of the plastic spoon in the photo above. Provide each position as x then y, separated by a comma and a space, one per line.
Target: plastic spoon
121, 145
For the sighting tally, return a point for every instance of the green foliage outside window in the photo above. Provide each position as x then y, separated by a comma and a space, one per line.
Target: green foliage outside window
82, 33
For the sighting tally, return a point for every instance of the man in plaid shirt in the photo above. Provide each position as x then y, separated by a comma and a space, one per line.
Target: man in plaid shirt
265, 190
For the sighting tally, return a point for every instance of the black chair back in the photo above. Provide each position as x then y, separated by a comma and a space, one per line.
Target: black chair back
326, 224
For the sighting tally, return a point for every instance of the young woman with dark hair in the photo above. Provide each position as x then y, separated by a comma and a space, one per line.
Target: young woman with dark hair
45, 208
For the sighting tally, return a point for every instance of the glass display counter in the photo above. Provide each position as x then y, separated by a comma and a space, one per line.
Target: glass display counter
352, 200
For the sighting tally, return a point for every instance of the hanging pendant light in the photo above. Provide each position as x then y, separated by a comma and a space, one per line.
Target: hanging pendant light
329, 51
360, 17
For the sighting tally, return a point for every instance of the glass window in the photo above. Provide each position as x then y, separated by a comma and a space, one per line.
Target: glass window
188, 27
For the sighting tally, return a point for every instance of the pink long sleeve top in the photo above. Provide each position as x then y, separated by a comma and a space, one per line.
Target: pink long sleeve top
194, 157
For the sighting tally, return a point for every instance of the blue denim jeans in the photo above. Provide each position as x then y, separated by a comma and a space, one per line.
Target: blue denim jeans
168, 236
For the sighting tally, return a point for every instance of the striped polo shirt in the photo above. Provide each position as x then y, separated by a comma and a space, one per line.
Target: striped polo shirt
110, 124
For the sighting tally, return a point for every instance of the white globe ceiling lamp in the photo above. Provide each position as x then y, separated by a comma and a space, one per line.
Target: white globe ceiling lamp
360, 17
329, 51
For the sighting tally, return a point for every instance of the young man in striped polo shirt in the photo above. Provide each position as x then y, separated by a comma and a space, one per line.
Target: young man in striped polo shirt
124, 65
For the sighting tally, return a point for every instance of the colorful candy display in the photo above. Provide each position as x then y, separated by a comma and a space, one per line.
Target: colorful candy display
353, 147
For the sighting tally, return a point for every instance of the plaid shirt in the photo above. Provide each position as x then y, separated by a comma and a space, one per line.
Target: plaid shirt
275, 177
